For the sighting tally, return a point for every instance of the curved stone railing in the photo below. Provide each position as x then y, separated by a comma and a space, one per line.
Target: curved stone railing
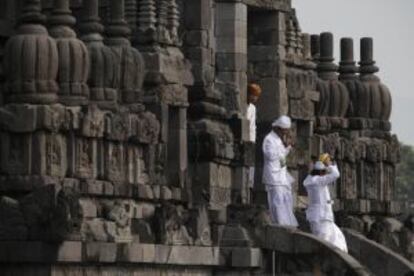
377, 258
291, 241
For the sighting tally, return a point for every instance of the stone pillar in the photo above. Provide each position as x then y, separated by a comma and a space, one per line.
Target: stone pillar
231, 52
31, 60
73, 56
210, 139
130, 62
103, 69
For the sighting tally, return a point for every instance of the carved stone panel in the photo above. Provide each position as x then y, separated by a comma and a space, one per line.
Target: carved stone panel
49, 154
16, 153
135, 166
82, 157
114, 161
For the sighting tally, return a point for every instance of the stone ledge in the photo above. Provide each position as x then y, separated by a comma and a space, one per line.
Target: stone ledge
127, 253
291, 241
379, 259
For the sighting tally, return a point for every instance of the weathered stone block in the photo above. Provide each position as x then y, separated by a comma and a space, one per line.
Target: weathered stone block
100, 252
197, 38
231, 62
232, 45
274, 99
231, 28
246, 257
198, 14
16, 154
88, 208
70, 251
231, 11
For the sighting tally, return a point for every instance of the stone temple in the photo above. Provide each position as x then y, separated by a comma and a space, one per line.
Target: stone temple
124, 140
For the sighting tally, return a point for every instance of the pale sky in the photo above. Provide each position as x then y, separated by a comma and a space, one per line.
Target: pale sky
391, 24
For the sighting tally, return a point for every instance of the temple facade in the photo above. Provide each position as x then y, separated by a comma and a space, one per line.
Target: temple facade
124, 140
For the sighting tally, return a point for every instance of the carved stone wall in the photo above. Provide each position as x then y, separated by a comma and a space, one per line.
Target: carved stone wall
124, 139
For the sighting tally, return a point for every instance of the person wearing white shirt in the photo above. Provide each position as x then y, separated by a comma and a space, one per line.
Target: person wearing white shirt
278, 181
319, 212
254, 92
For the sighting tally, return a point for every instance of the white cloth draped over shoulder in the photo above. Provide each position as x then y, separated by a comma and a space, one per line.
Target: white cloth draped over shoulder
319, 212
278, 181
251, 116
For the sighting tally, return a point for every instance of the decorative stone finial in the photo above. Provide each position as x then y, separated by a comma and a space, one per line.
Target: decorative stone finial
104, 66
334, 97
315, 47
367, 63
173, 21
117, 30
347, 65
326, 68
147, 19
131, 63
359, 96
73, 56
31, 60
381, 102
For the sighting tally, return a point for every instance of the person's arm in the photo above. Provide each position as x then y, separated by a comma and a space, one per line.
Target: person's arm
330, 177
270, 151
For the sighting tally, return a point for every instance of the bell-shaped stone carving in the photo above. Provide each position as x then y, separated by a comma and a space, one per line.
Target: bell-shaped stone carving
381, 102
131, 64
31, 60
334, 98
73, 56
103, 64
358, 94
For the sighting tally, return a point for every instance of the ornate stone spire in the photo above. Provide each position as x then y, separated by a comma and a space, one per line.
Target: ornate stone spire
73, 56
291, 38
131, 63
31, 60
103, 69
381, 102
131, 12
147, 18
163, 7
334, 98
174, 21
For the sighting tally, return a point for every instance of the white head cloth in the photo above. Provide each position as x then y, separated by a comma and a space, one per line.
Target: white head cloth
319, 166
282, 122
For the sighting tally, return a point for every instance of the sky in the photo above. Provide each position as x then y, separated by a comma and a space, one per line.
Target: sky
391, 24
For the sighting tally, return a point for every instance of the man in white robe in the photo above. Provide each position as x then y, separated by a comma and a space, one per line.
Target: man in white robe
276, 177
319, 212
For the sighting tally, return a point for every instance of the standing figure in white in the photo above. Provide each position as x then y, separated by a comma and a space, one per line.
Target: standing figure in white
276, 146
319, 212
254, 91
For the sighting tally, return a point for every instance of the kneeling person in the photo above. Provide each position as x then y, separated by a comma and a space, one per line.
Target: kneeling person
319, 212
